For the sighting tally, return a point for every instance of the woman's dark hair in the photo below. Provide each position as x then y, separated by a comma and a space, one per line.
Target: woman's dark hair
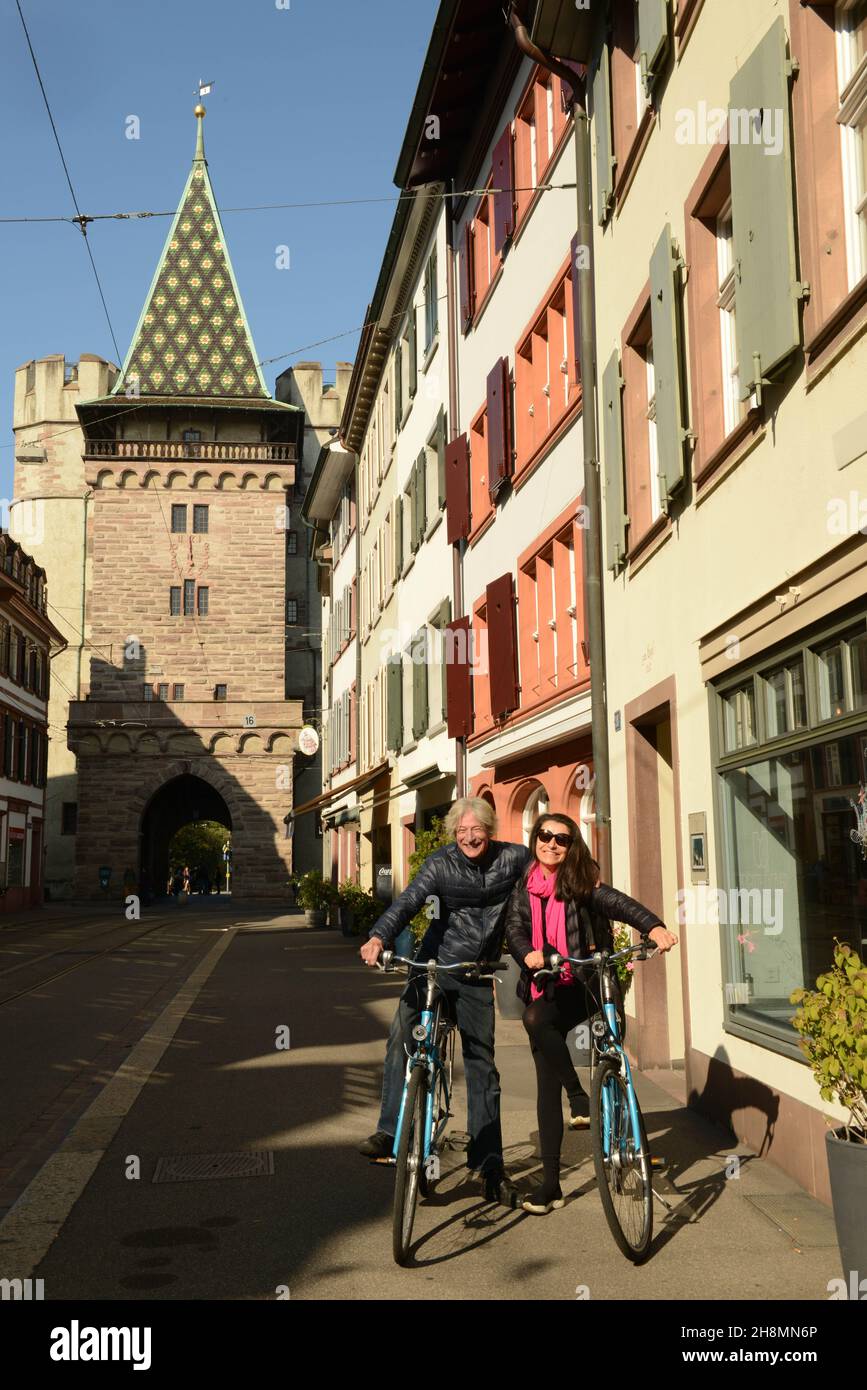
578, 874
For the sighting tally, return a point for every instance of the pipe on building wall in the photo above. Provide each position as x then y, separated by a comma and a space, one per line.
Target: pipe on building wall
593, 574
459, 546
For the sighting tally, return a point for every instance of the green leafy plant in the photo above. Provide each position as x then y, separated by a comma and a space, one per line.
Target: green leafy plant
426, 841
313, 892
362, 903
832, 1021
625, 968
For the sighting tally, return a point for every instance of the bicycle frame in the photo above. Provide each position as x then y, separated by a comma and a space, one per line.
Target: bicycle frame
427, 1054
605, 1037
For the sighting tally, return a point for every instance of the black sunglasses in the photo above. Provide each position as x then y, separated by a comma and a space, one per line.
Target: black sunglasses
564, 841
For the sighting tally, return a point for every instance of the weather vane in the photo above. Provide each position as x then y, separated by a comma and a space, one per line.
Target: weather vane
204, 88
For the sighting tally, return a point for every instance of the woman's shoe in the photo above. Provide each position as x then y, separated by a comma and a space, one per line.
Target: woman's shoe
543, 1200
580, 1108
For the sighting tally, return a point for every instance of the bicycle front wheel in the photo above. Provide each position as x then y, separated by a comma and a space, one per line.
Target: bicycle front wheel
622, 1161
409, 1162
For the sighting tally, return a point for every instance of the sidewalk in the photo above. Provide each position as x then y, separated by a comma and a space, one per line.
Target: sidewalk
317, 1218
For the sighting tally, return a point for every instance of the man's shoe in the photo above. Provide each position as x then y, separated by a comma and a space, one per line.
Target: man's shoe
543, 1200
500, 1188
379, 1146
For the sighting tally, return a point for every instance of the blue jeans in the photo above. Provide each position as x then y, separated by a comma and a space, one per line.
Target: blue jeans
473, 1008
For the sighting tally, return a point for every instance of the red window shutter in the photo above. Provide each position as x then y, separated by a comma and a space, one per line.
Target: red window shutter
502, 645
504, 183
457, 489
499, 433
576, 305
459, 689
352, 721
468, 289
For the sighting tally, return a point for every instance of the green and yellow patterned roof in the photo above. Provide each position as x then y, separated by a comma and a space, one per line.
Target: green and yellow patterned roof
193, 338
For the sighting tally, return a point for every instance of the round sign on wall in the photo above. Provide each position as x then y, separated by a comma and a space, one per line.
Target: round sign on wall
308, 740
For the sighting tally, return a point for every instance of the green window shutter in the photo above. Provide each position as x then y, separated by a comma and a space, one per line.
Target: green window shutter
653, 17
421, 471
604, 138
442, 619
419, 685
398, 538
665, 321
413, 351
616, 519
412, 492
394, 705
441, 458
767, 291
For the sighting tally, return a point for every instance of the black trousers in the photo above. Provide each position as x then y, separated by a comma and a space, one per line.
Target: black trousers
547, 1022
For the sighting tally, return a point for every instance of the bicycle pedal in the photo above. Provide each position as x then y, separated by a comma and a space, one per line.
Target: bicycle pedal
458, 1139
384, 1162
657, 1162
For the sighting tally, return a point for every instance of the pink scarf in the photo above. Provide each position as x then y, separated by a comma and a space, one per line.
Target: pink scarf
539, 886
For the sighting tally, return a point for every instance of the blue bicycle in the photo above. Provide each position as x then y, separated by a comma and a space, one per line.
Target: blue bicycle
425, 1107
621, 1153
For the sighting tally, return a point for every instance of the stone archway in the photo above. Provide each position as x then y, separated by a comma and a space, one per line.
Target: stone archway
178, 801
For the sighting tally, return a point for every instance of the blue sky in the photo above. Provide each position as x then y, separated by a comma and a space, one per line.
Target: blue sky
310, 102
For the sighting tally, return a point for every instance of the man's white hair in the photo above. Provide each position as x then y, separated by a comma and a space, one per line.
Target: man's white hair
471, 805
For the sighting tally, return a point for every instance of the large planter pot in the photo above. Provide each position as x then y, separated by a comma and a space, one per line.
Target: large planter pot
847, 1168
508, 1003
316, 917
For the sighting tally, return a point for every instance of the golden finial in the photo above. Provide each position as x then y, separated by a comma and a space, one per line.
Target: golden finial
199, 111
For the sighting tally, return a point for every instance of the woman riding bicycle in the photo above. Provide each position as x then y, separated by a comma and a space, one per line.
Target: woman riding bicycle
560, 905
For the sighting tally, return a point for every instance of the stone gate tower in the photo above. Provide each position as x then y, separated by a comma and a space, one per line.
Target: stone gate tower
188, 461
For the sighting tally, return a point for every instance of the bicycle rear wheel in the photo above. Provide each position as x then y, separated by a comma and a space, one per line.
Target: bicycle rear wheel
622, 1163
410, 1158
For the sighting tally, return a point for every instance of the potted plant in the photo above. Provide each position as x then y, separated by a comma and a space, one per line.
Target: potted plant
358, 908
832, 1021
315, 895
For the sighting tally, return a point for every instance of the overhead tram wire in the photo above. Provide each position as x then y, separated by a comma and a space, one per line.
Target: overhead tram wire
82, 221
282, 207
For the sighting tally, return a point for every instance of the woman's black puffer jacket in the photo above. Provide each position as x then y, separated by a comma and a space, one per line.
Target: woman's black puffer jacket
467, 901
588, 927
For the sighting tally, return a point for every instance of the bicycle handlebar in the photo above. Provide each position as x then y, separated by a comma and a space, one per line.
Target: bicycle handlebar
644, 950
389, 960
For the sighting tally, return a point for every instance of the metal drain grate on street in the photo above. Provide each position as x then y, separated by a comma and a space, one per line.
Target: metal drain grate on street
258, 1163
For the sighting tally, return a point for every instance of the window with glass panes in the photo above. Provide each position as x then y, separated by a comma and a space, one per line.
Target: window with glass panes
179, 517
202, 600
189, 597
851, 36
175, 601
200, 519
791, 760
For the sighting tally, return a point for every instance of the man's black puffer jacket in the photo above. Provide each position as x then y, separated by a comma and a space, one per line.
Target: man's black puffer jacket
469, 900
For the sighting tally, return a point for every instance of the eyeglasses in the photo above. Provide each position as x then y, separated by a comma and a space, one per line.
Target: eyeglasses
473, 834
546, 836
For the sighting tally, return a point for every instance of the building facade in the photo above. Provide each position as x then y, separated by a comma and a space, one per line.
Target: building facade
728, 270
302, 386
731, 301
50, 519
28, 642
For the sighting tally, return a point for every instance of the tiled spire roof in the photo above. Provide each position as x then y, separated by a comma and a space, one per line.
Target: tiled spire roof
193, 338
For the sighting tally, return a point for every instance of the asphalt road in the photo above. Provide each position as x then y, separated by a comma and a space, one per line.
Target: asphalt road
174, 1046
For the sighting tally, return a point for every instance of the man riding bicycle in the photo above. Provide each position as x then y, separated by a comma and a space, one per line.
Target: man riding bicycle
466, 885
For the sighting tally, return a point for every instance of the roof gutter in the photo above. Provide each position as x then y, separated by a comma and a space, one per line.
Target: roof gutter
593, 572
